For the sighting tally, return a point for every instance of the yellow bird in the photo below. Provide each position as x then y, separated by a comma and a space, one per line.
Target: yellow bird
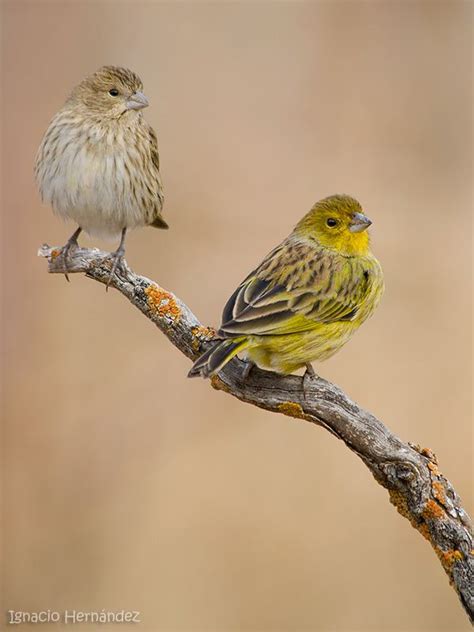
307, 297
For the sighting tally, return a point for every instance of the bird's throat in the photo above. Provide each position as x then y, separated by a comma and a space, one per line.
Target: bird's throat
347, 243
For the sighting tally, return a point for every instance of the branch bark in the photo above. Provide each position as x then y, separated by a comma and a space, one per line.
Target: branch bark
410, 474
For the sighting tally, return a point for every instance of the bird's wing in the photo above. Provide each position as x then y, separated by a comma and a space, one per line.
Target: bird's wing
157, 220
298, 286
155, 156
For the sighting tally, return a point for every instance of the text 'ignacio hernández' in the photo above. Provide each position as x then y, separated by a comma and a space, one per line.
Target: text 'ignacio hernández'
73, 616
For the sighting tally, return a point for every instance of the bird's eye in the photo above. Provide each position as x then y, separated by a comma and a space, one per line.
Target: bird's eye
113, 92
331, 222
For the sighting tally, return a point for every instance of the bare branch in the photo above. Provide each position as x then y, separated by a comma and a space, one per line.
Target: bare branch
410, 474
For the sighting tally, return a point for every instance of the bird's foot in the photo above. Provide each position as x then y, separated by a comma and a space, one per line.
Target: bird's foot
309, 377
248, 366
71, 244
117, 259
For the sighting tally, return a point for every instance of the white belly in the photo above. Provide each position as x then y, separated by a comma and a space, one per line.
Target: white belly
89, 183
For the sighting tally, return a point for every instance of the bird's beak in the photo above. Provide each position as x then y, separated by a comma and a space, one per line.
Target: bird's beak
137, 101
359, 223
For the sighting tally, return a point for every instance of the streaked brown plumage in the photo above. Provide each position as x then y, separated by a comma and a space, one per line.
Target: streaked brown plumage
98, 162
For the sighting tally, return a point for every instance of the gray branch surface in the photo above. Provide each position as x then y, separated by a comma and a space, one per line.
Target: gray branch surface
410, 474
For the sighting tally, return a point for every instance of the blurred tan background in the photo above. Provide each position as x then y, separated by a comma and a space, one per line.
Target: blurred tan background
129, 486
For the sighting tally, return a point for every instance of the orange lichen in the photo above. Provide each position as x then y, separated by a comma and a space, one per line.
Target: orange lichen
399, 500
448, 558
163, 303
439, 492
428, 452
55, 253
423, 528
202, 334
432, 466
218, 384
433, 511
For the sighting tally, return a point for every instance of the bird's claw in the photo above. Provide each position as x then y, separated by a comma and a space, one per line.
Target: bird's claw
247, 369
71, 245
117, 258
309, 377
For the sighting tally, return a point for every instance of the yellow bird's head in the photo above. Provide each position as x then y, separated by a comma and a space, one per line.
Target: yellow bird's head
337, 222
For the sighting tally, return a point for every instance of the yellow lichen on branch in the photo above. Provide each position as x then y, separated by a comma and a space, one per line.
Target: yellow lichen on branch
292, 409
202, 334
399, 501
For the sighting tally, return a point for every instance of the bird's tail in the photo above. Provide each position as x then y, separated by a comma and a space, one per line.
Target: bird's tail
215, 358
159, 222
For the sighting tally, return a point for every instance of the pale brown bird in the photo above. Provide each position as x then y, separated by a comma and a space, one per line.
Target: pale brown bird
98, 162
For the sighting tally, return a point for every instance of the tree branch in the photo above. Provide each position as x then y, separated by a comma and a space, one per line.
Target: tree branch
410, 474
